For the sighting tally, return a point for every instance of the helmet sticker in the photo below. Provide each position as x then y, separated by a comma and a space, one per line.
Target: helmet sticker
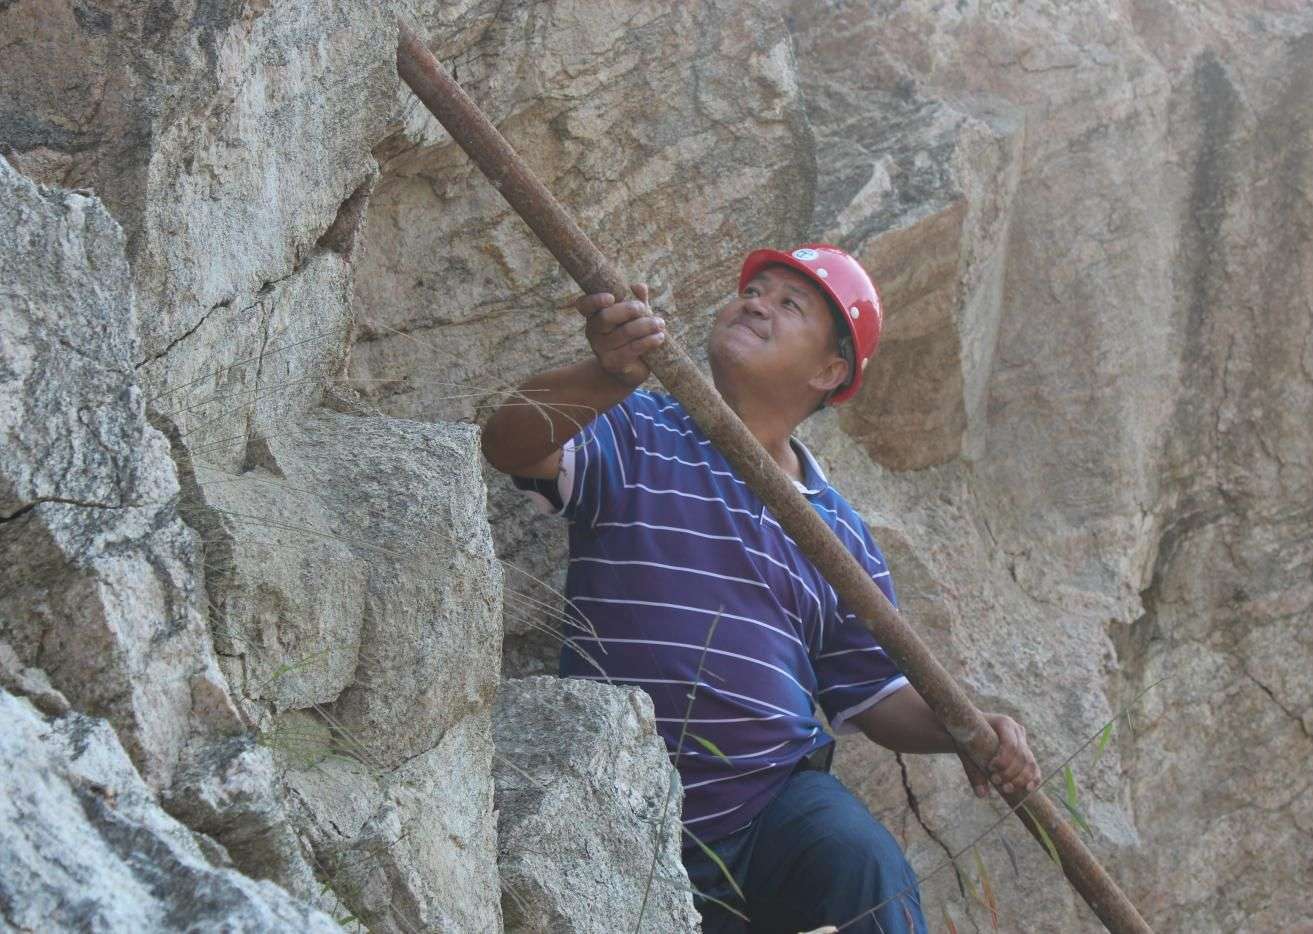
805, 254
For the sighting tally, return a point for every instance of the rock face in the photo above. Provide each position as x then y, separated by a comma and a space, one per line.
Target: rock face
260, 593
354, 595
1135, 469
1085, 443
99, 591
582, 786
87, 848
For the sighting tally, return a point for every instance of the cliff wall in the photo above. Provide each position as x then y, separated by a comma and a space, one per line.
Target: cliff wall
250, 328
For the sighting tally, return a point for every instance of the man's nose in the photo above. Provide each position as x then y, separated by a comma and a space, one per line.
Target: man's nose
753, 305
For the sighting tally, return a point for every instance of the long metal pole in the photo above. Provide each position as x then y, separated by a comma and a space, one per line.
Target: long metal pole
594, 273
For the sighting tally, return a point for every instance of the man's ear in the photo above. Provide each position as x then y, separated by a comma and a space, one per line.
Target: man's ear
831, 376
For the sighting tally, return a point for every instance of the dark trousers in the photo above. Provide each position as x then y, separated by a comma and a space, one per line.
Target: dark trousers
814, 856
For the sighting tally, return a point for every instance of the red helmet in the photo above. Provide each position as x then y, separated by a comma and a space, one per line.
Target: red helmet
846, 284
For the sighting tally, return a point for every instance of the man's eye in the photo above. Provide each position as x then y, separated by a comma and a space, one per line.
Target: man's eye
790, 303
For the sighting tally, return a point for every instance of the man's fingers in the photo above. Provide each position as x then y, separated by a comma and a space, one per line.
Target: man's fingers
651, 342
1013, 768
608, 319
589, 305
630, 351
1009, 763
640, 291
1007, 767
626, 332
975, 775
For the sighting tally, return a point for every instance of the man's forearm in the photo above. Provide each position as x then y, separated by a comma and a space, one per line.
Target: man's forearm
904, 722
546, 411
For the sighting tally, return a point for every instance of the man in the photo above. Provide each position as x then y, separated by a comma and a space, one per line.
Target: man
681, 582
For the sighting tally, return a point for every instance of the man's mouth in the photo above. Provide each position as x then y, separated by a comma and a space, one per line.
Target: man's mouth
747, 325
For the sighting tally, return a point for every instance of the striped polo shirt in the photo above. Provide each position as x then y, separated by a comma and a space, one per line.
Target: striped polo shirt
681, 582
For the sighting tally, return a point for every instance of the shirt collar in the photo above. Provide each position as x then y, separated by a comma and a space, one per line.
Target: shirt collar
813, 478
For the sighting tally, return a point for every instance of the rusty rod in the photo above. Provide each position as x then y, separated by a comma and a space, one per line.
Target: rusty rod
577, 254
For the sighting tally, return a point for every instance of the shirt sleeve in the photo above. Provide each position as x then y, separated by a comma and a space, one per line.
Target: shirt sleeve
853, 673
594, 467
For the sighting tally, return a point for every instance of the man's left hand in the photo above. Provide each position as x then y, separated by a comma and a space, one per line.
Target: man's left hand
1013, 767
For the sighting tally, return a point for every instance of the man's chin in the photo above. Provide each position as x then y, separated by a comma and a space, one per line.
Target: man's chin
734, 345
732, 368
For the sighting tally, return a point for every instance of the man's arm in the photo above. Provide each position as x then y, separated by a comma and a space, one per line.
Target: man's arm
526, 433
904, 722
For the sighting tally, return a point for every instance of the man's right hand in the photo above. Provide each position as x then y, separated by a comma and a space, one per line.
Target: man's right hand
621, 332
525, 434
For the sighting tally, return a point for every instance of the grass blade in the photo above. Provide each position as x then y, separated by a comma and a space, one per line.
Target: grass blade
710, 747
1043, 836
726, 905
1012, 856
720, 864
949, 926
1071, 803
1103, 740
991, 902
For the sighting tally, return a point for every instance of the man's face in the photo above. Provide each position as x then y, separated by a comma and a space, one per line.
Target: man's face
774, 338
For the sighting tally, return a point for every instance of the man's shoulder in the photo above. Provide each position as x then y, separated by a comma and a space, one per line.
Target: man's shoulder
851, 527
834, 501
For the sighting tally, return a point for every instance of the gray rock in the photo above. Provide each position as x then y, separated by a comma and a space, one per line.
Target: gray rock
356, 571
1134, 469
84, 846
355, 593
405, 849
97, 585
587, 801
228, 791
31, 683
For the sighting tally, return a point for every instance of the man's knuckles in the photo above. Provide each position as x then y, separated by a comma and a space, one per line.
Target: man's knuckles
590, 305
626, 334
615, 317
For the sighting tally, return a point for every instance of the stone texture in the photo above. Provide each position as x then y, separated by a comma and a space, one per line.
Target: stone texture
667, 127
229, 791
359, 574
97, 588
84, 846
30, 683
407, 849
355, 598
582, 781
220, 141
1085, 444
1095, 490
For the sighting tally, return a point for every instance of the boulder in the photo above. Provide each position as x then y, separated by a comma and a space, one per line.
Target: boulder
588, 811
355, 599
412, 848
97, 570
84, 846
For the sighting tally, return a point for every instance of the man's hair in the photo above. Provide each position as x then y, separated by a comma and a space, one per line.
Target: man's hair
843, 346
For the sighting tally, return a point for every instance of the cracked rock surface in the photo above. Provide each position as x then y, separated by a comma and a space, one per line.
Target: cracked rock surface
1084, 446
98, 592
580, 816
86, 846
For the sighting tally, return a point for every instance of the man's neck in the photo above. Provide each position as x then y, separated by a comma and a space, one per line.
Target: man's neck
773, 431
